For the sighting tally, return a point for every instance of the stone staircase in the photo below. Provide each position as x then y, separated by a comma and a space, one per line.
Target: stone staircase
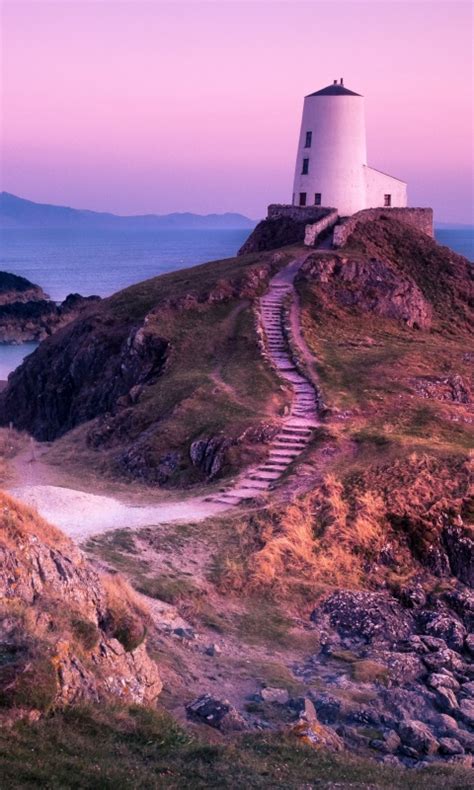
297, 427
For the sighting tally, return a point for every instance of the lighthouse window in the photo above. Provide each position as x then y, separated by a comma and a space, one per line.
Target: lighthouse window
302, 198
387, 200
317, 198
305, 169
309, 136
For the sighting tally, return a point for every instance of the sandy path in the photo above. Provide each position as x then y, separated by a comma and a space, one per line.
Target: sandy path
80, 514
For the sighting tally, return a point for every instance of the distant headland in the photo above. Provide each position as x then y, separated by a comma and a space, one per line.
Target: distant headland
16, 212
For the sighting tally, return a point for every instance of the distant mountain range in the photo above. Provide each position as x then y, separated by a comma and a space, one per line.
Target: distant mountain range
16, 212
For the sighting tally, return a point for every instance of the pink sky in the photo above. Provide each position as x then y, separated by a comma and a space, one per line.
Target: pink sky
153, 106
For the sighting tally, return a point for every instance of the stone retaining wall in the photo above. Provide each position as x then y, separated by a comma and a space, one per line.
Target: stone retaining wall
313, 231
420, 218
298, 213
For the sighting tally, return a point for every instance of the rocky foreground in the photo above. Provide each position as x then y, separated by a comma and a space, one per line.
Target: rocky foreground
67, 634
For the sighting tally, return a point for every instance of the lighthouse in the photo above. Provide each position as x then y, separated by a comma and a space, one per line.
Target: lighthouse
331, 163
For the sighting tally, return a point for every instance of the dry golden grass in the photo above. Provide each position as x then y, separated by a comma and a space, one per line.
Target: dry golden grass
18, 521
333, 536
127, 613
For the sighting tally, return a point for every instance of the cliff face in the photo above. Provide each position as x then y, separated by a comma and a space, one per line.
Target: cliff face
66, 634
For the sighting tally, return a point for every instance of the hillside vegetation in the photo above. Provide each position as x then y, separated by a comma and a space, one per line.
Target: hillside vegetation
153, 369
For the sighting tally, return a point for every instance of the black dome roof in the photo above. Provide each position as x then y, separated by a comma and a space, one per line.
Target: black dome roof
336, 89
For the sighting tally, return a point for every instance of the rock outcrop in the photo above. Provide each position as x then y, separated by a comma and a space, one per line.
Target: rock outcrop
14, 288
66, 633
32, 320
372, 286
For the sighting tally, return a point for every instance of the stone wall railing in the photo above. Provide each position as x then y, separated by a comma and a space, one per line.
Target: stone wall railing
313, 231
419, 218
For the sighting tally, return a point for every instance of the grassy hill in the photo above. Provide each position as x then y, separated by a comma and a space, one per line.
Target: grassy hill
154, 368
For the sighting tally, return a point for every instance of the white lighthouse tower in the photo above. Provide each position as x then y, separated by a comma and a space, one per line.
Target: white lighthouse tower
331, 164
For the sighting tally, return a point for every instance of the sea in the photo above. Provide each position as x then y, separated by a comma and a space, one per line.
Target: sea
104, 261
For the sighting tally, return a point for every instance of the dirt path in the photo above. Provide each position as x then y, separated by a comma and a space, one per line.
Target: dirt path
83, 513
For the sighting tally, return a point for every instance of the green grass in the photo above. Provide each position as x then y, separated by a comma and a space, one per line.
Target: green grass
108, 748
262, 623
170, 588
133, 302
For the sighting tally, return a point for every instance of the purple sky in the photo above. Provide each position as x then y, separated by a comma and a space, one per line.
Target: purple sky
195, 106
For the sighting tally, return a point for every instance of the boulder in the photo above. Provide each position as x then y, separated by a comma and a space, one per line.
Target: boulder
444, 626
468, 688
447, 724
467, 711
446, 700
417, 736
364, 616
215, 713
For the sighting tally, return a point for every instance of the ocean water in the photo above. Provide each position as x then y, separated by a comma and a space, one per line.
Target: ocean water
104, 261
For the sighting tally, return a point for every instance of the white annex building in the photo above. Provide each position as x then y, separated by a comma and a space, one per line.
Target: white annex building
331, 166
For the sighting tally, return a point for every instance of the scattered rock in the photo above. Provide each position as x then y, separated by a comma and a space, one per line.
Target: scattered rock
303, 708
213, 650
184, 633
216, 713
317, 736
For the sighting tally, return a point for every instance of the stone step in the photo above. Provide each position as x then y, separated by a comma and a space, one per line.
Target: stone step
293, 437
286, 457
266, 476
292, 445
